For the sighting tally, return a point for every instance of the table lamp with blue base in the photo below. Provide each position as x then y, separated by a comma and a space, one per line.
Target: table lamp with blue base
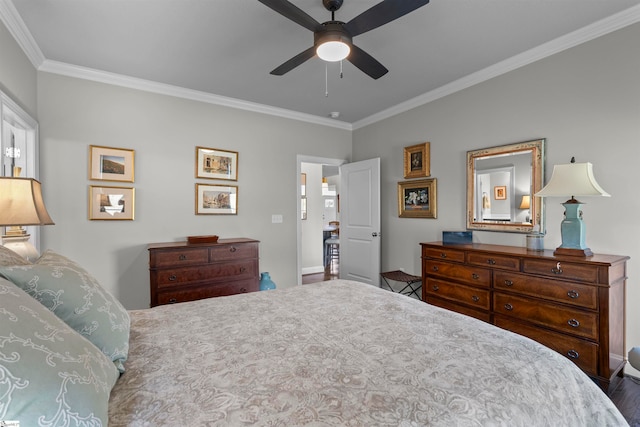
572, 179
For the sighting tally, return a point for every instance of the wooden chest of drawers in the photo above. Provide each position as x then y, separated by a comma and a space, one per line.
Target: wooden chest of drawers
182, 272
573, 305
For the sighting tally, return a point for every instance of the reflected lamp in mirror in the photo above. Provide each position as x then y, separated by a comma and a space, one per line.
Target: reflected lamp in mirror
571, 180
525, 203
21, 204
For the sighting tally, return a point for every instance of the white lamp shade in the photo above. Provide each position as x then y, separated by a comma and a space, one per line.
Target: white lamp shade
21, 203
572, 179
333, 51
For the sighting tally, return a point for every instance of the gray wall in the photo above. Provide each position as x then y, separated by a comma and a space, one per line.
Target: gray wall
164, 132
585, 101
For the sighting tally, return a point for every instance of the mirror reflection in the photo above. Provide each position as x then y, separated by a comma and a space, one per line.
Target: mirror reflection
501, 182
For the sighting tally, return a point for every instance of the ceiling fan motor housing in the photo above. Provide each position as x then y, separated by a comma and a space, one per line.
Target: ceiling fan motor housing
332, 31
332, 5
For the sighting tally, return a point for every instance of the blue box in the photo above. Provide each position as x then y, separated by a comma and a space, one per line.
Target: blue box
457, 237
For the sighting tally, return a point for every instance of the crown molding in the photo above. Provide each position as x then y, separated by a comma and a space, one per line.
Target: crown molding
14, 23
180, 92
597, 29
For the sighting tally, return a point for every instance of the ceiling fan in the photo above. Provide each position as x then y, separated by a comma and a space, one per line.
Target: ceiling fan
333, 39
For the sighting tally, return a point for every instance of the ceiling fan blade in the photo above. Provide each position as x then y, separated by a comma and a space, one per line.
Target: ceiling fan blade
289, 10
366, 63
380, 14
295, 61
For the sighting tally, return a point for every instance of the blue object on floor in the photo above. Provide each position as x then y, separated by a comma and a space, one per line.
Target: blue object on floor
266, 283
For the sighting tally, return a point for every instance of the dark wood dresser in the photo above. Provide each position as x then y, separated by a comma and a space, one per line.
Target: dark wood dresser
575, 306
182, 272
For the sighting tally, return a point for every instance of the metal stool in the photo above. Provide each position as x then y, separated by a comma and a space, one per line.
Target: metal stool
400, 276
331, 250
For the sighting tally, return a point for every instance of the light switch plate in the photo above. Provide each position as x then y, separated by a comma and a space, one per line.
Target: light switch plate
276, 219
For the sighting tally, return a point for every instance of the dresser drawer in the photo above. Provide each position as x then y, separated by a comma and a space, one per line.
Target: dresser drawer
582, 353
444, 254
178, 257
564, 319
234, 251
241, 269
566, 292
492, 260
468, 274
208, 291
478, 298
478, 314
562, 270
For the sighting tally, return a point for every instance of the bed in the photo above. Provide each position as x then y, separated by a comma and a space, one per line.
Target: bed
337, 353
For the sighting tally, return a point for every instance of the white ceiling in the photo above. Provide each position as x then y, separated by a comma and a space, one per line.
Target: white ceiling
223, 50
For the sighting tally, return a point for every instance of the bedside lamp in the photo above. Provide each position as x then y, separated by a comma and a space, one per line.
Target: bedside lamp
572, 179
21, 204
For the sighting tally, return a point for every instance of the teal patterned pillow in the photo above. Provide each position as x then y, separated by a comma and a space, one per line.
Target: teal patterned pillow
49, 374
77, 298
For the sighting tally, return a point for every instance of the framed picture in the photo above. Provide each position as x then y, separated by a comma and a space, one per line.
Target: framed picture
111, 203
213, 163
417, 199
500, 192
216, 199
417, 161
110, 164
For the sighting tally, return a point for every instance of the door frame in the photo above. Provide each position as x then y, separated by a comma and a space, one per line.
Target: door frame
301, 158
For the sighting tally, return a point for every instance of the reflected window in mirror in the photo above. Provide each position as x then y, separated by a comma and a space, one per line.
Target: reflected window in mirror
501, 182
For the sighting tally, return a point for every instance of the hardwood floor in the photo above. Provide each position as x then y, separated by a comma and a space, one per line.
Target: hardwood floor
330, 272
626, 397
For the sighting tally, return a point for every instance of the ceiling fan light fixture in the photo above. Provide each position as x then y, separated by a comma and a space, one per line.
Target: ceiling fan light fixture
333, 51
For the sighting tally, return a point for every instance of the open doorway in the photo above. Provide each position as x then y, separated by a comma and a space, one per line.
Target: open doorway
318, 218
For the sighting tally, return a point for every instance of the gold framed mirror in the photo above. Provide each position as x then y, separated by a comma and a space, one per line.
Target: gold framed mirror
501, 182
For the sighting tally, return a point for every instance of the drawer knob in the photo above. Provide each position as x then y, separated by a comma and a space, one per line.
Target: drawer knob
173, 301
573, 294
573, 354
574, 323
508, 282
475, 298
243, 290
182, 257
491, 261
172, 278
508, 307
435, 268
435, 288
557, 269
232, 249
243, 269
475, 276
443, 255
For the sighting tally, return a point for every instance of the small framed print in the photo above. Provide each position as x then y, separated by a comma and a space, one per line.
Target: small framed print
111, 203
216, 199
500, 192
110, 164
418, 199
417, 161
213, 163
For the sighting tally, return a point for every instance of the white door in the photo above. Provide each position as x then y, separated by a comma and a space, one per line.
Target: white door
360, 221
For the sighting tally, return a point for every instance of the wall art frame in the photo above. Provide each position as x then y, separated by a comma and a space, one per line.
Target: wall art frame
500, 192
417, 161
111, 164
418, 199
111, 203
215, 199
214, 163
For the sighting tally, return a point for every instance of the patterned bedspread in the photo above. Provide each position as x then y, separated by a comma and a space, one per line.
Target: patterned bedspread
342, 353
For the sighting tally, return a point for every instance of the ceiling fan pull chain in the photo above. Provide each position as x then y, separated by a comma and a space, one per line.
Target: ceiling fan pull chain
340, 68
326, 81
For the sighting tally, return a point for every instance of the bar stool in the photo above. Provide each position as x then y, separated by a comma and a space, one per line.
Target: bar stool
331, 250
